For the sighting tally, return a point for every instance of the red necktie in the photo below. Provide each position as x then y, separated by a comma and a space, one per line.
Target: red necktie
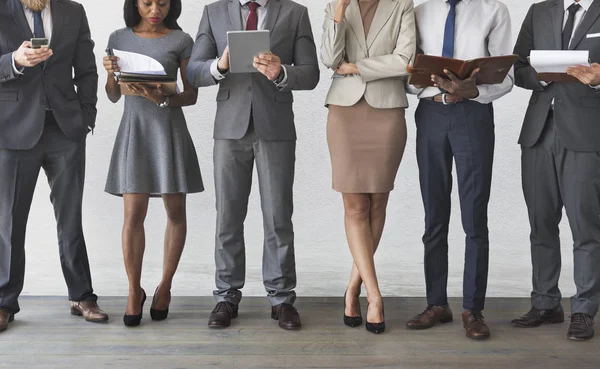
252, 23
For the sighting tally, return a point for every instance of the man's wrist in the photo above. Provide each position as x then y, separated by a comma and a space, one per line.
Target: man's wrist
280, 76
16, 67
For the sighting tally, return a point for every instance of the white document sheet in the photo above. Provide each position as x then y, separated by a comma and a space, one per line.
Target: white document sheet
138, 63
557, 61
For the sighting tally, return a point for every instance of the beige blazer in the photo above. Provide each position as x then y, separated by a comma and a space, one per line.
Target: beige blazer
381, 57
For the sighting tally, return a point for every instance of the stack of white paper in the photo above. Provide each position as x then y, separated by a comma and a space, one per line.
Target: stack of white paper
138, 63
557, 61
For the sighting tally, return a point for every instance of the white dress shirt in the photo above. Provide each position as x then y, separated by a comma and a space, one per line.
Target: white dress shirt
261, 11
482, 28
46, 19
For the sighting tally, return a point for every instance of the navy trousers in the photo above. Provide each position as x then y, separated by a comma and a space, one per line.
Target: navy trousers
463, 132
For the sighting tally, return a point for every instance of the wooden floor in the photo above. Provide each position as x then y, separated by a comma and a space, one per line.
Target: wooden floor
44, 335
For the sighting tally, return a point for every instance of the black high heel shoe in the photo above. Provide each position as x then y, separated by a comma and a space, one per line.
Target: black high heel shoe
351, 321
156, 314
135, 320
376, 327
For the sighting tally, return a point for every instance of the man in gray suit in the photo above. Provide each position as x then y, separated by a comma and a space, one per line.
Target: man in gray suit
255, 123
43, 124
560, 142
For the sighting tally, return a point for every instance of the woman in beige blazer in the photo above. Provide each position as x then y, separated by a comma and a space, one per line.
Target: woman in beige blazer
368, 43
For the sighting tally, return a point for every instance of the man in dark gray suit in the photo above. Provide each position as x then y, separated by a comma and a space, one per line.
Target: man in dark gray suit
43, 124
255, 123
560, 142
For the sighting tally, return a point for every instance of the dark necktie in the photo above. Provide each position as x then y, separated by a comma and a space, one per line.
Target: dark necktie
448, 49
252, 23
568, 31
38, 25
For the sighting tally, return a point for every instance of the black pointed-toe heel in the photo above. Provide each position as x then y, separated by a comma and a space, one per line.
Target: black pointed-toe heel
135, 320
351, 321
156, 314
375, 327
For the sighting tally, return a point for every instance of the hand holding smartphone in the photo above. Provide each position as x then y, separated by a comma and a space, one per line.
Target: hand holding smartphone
37, 43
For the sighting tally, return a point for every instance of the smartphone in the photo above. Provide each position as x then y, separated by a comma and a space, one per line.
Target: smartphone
37, 43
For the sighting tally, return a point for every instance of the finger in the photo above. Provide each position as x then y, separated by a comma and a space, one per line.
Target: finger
26, 45
451, 75
159, 89
266, 57
474, 73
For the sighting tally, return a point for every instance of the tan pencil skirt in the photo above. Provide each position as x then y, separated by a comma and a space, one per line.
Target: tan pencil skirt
366, 147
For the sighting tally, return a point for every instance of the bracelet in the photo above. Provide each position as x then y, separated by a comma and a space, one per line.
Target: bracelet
164, 104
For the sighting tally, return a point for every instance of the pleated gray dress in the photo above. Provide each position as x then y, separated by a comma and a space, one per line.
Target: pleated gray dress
153, 152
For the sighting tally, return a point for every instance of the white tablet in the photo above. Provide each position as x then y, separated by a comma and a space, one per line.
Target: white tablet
244, 46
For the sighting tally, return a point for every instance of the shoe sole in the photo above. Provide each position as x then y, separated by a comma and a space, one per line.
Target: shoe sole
78, 313
479, 338
421, 327
580, 339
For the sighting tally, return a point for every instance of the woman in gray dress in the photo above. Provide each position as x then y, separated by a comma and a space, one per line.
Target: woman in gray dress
154, 155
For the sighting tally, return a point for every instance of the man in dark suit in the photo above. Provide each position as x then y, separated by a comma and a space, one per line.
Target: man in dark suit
43, 124
560, 142
255, 123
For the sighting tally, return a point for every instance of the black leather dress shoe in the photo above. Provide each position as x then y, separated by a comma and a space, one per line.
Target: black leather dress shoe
222, 314
5, 318
287, 315
536, 317
581, 328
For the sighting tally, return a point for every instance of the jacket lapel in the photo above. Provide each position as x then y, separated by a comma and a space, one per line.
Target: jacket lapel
16, 9
558, 14
272, 14
235, 14
58, 20
356, 24
588, 21
384, 11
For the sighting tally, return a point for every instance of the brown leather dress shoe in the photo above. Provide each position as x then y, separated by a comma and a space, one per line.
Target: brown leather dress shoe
5, 318
222, 314
89, 310
474, 325
433, 314
287, 315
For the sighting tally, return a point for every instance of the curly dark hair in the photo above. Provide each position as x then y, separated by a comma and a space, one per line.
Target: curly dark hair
133, 18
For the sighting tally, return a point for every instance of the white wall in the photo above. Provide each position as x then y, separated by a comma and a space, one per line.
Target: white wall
323, 259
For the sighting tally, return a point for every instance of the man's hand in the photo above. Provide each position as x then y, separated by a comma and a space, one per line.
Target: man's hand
110, 64
155, 95
268, 64
25, 56
347, 69
466, 89
223, 65
587, 75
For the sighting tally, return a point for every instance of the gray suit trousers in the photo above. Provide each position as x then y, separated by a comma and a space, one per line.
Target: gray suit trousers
234, 162
553, 177
63, 161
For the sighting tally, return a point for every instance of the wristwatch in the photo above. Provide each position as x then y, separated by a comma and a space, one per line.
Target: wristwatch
164, 104
279, 77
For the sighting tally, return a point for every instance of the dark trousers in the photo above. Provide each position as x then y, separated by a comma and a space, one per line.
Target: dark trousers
465, 132
64, 163
553, 177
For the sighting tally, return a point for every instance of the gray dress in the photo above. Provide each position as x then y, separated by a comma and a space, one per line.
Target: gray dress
153, 151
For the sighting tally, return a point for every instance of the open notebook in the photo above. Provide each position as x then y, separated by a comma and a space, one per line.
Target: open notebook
142, 69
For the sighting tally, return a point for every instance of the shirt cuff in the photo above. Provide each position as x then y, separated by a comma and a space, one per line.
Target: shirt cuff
283, 82
17, 71
214, 70
597, 87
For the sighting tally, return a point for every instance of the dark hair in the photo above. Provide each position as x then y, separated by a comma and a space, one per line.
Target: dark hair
133, 18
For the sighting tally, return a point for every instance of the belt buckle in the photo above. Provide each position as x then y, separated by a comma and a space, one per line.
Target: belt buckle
444, 99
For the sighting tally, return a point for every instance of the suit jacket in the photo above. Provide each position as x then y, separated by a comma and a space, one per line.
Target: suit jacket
24, 98
576, 106
381, 57
291, 40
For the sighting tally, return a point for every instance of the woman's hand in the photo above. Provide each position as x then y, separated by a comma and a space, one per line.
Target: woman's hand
155, 95
111, 65
340, 10
346, 69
